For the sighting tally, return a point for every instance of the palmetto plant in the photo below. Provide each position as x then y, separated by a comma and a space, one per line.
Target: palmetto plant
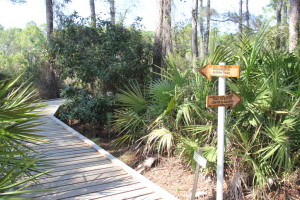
263, 130
18, 120
160, 115
131, 121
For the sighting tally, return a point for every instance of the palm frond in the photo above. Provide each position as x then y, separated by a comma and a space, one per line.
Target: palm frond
18, 123
173, 73
161, 91
160, 139
128, 122
133, 98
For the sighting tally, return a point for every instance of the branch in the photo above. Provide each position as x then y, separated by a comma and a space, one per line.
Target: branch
226, 20
18, 1
231, 20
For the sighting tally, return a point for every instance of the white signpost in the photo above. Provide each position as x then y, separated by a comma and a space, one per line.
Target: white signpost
221, 135
222, 72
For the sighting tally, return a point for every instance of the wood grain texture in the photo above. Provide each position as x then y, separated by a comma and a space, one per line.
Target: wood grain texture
79, 171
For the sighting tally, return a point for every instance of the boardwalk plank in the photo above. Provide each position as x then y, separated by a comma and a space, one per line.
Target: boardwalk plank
79, 179
56, 147
76, 166
76, 151
71, 149
52, 147
139, 193
108, 192
58, 137
100, 172
78, 155
151, 196
79, 170
85, 188
57, 131
55, 143
77, 159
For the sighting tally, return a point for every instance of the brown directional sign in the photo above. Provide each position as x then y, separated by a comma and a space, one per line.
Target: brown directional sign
226, 100
210, 70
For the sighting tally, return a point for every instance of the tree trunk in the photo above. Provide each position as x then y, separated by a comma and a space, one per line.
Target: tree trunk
285, 11
201, 32
93, 13
247, 15
285, 24
293, 26
194, 29
208, 16
49, 19
163, 35
157, 51
50, 81
112, 12
167, 28
278, 20
241, 18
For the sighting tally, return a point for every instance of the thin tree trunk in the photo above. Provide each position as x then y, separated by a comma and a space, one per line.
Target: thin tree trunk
194, 29
208, 17
278, 20
157, 51
201, 32
49, 19
112, 12
241, 18
247, 15
50, 81
167, 28
285, 24
93, 13
285, 11
293, 26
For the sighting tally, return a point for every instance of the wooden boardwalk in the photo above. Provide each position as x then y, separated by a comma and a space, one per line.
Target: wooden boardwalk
83, 170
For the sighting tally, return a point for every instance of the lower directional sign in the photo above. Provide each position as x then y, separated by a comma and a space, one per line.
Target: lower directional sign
200, 159
226, 100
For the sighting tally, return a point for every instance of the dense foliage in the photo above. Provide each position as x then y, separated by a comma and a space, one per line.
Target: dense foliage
85, 107
97, 61
262, 137
21, 50
107, 57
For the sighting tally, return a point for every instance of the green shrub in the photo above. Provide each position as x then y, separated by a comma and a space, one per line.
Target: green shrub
83, 106
106, 58
97, 61
262, 130
161, 114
